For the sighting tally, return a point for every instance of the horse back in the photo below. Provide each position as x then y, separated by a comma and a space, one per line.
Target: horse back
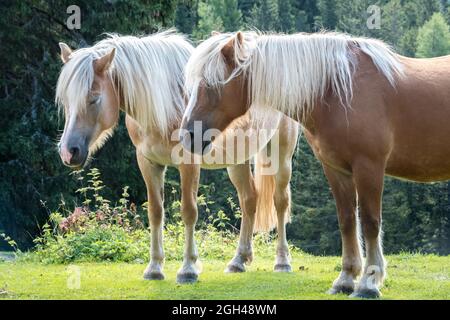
406, 127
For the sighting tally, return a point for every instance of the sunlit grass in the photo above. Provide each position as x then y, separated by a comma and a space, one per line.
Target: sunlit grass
409, 277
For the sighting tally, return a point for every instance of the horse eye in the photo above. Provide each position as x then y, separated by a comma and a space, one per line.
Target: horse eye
95, 100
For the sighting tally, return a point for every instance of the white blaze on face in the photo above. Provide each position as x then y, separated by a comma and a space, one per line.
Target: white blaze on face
64, 152
191, 103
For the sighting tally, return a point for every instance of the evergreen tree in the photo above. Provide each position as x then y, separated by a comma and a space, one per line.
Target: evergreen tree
301, 21
444, 4
185, 16
246, 6
231, 16
285, 17
433, 39
264, 15
394, 22
328, 12
208, 20
217, 15
415, 216
31, 172
352, 17
305, 12
403, 19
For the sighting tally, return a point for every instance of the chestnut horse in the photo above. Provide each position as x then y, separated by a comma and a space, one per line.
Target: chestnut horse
366, 112
144, 78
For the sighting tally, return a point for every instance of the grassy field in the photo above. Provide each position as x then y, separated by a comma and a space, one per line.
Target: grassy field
409, 277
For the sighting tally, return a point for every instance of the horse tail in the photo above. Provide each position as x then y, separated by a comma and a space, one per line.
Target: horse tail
266, 215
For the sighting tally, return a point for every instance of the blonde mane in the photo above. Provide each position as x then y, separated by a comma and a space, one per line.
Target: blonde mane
289, 72
147, 72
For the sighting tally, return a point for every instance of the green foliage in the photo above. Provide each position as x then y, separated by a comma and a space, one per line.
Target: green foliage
328, 12
352, 17
208, 20
285, 16
100, 231
264, 15
30, 168
185, 16
231, 16
11, 242
217, 15
33, 181
305, 12
433, 38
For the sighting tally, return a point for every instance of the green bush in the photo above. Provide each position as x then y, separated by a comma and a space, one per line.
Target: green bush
99, 231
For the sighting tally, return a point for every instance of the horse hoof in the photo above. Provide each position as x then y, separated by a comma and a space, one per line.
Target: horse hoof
186, 278
153, 275
366, 294
341, 289
282, 268
235, 268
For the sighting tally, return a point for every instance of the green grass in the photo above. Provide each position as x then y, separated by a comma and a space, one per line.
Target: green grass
410, 276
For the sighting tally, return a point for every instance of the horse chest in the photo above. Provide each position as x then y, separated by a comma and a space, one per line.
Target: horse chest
156, 153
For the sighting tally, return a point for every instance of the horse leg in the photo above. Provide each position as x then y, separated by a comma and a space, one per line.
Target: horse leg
154, 180
288, 136
368, 178
344, 193
189, 175
282, 200
242, 179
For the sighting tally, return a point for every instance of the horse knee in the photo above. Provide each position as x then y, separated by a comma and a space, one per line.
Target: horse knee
189, 214
155, 215
249, 203
282, 199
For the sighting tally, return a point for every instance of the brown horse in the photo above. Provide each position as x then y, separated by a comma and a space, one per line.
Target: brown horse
144, 78
366, 112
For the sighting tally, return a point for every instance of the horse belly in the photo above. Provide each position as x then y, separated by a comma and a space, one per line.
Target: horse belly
419, 170
419, 112
421, 144
422, 157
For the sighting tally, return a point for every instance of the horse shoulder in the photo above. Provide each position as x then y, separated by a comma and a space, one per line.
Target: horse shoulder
134, 130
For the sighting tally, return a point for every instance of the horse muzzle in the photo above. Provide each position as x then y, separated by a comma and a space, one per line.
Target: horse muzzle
73, 156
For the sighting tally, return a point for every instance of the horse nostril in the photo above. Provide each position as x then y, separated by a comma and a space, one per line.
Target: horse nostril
74, 151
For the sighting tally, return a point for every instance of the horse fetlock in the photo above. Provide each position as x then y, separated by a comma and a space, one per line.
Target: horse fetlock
191, 258
369, 285
188, 273
154, 271
236, 265
282, 261
244, 255
373, 276
343, 284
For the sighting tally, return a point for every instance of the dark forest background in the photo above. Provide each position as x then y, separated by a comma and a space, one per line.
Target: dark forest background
33, 182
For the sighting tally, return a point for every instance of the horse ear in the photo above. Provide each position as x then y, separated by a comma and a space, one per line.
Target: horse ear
228, 49
65, 52
102, 64
240, 37
214, 33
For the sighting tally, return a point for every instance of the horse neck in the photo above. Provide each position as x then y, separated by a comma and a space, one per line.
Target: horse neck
151, 133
